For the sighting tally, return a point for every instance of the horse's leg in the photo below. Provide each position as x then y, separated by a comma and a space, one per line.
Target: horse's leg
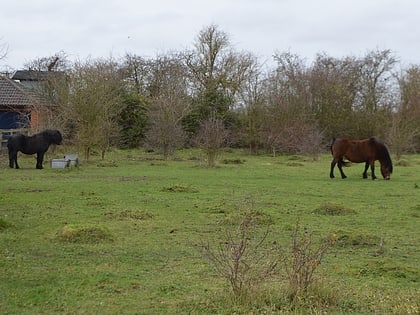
333, 162
372, 168
39, 160
13, 159
340, 167
366, 168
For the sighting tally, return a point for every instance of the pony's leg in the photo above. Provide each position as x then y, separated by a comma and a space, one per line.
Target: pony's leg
39, 160
340, 167
333, 162
372, 168
366, 168
13, 159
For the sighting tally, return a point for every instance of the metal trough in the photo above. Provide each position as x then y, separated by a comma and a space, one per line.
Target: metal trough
59, 163
67, 161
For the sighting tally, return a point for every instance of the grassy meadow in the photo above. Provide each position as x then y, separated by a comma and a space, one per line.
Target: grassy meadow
123, 235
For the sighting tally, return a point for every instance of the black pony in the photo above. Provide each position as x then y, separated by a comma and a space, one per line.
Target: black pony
38, 143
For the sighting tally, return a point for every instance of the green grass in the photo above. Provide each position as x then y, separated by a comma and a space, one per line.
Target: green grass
119, 236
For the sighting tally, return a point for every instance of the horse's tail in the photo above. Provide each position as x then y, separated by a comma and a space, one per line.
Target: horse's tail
331, 146
345, 163
341, 161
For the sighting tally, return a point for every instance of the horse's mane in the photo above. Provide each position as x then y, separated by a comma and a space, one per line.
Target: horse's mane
52, 135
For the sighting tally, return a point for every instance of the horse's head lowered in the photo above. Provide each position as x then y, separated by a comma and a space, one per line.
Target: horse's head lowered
386, 171
386, 162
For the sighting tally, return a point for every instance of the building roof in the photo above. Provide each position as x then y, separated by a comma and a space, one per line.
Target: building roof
33, 75
15, 95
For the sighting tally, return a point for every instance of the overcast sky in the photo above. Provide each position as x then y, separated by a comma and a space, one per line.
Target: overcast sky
102, 28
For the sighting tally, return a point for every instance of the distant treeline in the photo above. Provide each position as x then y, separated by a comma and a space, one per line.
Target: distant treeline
214, 95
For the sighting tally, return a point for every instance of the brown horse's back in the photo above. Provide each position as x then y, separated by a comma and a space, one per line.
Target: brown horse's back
353, 150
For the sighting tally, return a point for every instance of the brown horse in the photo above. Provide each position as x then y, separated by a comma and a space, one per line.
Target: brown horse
358, 151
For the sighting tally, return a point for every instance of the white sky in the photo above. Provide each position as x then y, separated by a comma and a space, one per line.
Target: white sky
102, 28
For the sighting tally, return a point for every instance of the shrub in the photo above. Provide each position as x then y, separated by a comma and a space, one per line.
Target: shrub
303, 260
245, 258
242, 258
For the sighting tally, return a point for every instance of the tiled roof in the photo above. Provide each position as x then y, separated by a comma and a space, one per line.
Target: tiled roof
32, 75
14, 94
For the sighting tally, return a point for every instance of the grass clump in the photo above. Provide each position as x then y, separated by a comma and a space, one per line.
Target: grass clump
4, 225
233, 161
402, 162
180, 188
135, 215
334, 209
256, 216
83, 234
294, 164
107, 164
345, 238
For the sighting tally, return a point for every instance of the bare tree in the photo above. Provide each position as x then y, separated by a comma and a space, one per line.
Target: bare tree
137, 73
3, 50
57, 62
404, 135
217, 73
169, 104
288, 116
334, 88
94, 104
211, 138
376, 93
252, 100
165, 132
